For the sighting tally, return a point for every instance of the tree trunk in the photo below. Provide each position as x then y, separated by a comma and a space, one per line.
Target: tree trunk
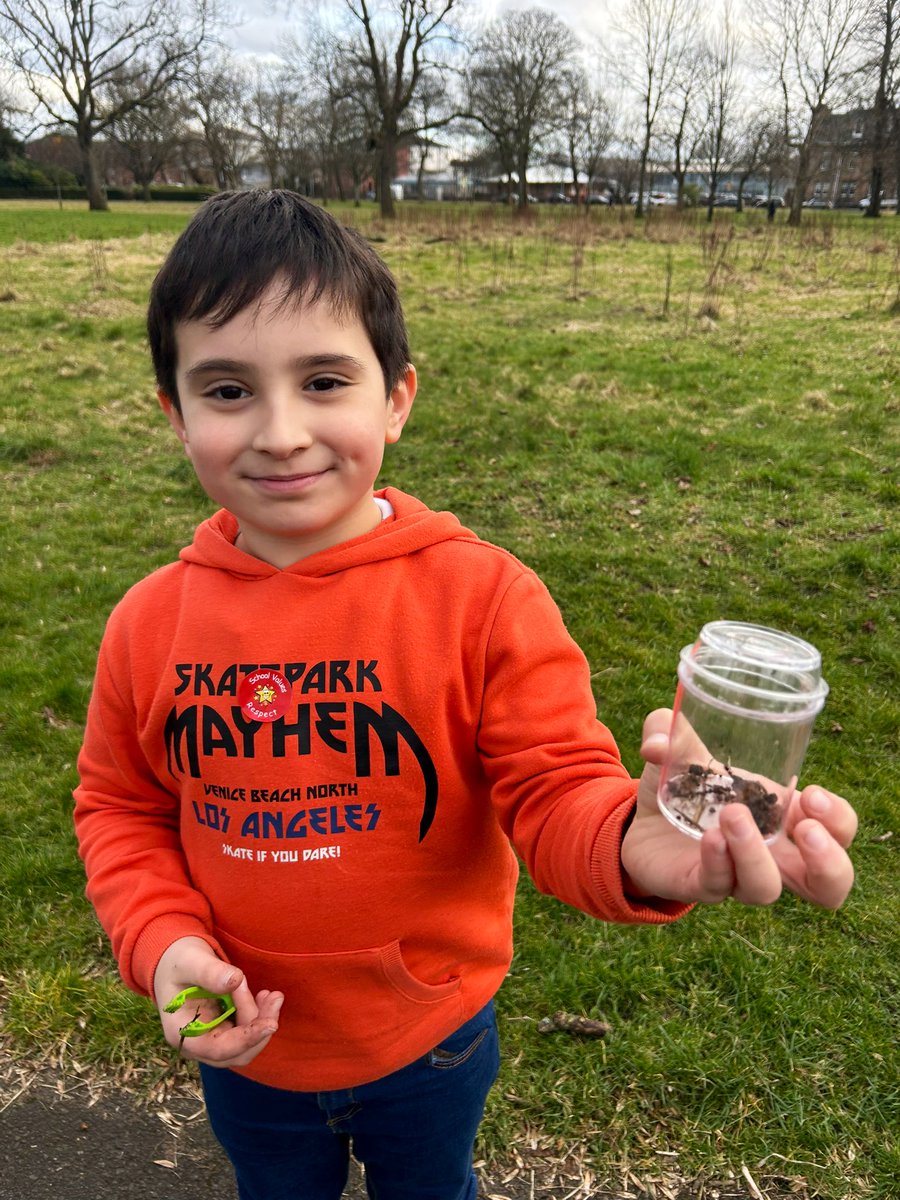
218, 162
796, 214
93, 185
711, 197
642, 177
876, 187
882, 112
804, 161
800, 181
523, 183
879, 132
386, 156
420, 173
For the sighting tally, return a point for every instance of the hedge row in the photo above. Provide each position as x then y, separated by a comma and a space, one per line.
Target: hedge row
163, 192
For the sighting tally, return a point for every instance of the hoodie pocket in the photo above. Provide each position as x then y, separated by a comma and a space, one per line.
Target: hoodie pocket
357, 1000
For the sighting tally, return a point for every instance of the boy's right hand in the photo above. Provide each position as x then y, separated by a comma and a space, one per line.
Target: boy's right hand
191, 962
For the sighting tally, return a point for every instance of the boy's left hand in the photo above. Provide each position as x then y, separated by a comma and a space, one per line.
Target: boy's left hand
809, 858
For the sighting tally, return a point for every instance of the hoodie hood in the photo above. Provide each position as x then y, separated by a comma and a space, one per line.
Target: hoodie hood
412, 527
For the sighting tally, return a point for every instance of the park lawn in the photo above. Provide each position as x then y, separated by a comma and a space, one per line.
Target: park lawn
672, 422
43, 221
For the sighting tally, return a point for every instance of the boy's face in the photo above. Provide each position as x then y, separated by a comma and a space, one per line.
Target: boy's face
285, 418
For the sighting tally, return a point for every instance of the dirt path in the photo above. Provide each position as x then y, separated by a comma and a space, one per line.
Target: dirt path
68, 1137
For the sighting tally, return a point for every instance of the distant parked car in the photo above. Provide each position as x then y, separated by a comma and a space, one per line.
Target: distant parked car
597, 198
558, 198
763, 201
886, 202
654, 199
817, 202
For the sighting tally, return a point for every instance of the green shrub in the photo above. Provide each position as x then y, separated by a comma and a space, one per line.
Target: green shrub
20, 173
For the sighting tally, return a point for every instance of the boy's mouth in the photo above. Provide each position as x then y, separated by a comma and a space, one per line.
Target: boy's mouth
287, 483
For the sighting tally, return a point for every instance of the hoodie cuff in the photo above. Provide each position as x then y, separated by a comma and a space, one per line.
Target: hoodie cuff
610, 881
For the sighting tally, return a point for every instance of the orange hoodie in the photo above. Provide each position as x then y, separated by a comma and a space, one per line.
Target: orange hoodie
319, 771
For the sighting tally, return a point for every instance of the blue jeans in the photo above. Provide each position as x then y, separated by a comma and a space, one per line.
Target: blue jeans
414, 1130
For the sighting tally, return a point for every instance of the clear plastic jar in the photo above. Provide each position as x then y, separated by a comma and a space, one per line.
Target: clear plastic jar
745, 706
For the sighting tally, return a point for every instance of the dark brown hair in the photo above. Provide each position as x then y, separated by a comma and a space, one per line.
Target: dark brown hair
238, 242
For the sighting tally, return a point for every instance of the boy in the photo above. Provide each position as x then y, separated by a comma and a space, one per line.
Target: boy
313, 738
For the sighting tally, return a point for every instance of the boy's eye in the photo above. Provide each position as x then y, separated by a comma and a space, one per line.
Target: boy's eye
228, 391
326, 383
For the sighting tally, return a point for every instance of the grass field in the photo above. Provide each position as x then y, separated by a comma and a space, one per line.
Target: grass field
672, 422
47, 221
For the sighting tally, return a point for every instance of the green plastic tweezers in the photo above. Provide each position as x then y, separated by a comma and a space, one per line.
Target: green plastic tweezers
195, 1026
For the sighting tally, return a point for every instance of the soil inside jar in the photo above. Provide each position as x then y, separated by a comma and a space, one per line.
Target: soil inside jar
698, 794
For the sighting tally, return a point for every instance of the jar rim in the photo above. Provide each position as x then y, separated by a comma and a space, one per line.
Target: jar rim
794, 702
761, 645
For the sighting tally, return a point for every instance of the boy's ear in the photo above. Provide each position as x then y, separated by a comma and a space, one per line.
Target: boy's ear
400, 402
176, 420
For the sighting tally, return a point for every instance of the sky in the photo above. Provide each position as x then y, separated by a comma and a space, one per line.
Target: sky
262, 25
261, 28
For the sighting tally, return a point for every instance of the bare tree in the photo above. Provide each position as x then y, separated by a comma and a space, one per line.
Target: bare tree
487, 107
218, 90
626, 161
685, 118
881, 35
516, 82
658, 36
393, 54
146, 137
758, 146
808, 47
280, 115
587, 126
70, 54
720, 85
10, 117
350, 148
434, 109
339, 109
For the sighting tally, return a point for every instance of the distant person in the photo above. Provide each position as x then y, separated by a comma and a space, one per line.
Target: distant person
315, 738
770, 209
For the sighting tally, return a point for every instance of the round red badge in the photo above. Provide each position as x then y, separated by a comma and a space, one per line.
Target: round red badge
264, 694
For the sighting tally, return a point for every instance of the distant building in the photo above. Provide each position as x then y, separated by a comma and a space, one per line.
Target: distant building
842, 161
425, 169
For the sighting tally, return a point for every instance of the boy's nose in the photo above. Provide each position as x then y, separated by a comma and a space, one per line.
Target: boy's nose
283, 428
